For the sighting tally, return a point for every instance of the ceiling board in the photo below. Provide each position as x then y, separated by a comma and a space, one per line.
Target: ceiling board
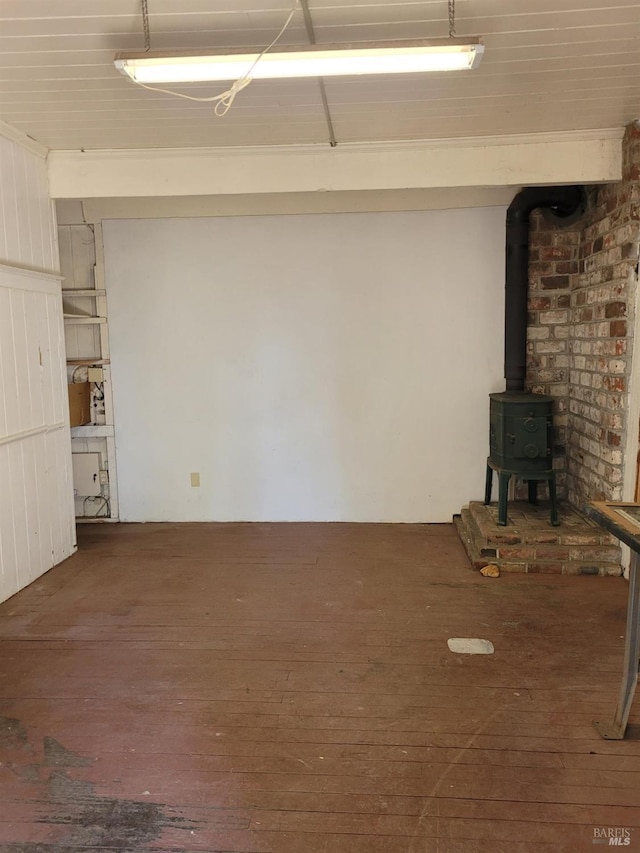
550, 65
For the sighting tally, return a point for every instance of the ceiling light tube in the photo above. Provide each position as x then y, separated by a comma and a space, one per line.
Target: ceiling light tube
404, 57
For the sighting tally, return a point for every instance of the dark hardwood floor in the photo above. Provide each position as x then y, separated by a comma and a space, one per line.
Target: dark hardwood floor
284, 688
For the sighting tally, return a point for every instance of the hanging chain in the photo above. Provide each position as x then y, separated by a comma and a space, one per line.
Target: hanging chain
452, 18
145, 26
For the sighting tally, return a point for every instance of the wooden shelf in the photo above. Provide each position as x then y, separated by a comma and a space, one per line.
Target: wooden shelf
95, 519
79, 320
87, 362
92, 431
87, 292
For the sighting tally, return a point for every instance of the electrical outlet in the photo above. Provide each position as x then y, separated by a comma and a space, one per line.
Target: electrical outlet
104, 478
94, 374
195, 479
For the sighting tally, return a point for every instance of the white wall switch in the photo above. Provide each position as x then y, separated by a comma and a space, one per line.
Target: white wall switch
195, 479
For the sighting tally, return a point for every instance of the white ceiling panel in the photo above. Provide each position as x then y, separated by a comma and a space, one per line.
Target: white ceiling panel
549, 65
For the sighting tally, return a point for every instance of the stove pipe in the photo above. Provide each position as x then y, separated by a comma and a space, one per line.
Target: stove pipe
565, 205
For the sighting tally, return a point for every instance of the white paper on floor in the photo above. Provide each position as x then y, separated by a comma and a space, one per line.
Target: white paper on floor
470, 646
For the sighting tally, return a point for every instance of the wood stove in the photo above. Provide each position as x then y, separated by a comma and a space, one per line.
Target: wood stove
521, 423
520, 445
520, 431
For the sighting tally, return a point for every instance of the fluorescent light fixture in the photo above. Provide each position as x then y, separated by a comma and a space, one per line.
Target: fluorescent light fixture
333, 60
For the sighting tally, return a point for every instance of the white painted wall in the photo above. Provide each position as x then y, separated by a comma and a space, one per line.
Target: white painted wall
312, 367
37, 528
27, 216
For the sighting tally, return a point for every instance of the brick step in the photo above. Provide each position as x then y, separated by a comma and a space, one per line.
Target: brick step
566, 567
577, 549
574, 567
467, 539
470, 524
488, 527
556, 553
531, 525
486, 550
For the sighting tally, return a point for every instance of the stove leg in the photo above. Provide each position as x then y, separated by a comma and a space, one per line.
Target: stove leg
503, 491
532, 489
616, 730
487, 485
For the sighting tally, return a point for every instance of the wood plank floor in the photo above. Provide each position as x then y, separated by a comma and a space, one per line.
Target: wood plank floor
284, 688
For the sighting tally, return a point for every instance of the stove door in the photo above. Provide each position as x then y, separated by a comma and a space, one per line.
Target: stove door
531, 438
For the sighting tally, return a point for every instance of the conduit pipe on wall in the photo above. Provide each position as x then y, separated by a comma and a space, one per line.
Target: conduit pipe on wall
563, 205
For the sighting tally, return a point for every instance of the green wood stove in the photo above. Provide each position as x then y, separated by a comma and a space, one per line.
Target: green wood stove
520, 445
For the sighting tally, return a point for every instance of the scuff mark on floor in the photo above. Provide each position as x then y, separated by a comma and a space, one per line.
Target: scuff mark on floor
96, 821
80, 818
13, 734
56, 755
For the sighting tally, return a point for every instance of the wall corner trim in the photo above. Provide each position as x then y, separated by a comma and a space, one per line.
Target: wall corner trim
8, 131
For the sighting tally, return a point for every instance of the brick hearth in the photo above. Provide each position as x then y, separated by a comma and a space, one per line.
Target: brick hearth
530, 544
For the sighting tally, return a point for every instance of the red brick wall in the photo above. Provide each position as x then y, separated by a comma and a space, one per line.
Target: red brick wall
553, 267
583, 284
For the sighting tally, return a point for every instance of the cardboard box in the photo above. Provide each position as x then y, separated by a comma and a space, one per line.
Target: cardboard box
79, 403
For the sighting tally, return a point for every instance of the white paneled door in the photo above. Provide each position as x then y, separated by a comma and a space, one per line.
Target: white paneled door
37, 528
